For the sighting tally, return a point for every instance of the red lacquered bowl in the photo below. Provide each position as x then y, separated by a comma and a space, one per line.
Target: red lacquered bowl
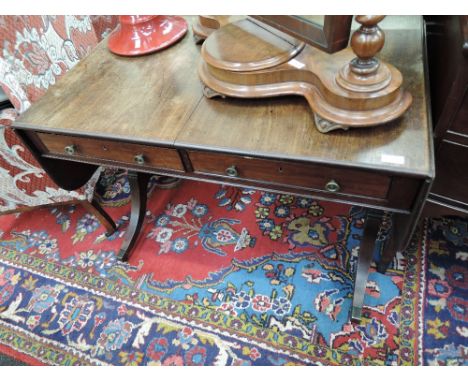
137, 35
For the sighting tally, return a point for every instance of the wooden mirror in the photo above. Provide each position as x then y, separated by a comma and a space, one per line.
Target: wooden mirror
269, 56
328, 33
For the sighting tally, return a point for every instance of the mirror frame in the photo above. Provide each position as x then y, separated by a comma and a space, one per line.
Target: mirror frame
332, 36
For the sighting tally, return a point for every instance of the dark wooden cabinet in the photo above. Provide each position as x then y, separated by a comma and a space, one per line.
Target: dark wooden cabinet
447, 55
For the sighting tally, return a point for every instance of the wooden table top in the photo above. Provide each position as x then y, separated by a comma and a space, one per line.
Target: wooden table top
158, 99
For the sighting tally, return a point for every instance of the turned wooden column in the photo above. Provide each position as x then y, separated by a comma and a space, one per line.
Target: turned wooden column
349, 88
365, 72
366, 42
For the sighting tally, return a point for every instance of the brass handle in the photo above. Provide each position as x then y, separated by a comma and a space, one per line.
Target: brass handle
232, 171
70, 150
139, 159
332, 186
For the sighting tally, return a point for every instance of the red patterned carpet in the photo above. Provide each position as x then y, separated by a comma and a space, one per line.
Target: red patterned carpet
224, 276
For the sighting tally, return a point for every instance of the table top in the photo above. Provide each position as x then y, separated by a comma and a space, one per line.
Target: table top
158, 99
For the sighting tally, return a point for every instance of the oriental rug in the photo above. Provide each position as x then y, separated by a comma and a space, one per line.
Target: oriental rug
225, 276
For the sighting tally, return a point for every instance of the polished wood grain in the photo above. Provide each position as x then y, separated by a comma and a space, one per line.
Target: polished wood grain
145, 99
329, 33
204, 25
262, 127
230, 48
367, 41
365, 72
292, 173
400, 199
337, 89
120, 152
157, 101
276, 127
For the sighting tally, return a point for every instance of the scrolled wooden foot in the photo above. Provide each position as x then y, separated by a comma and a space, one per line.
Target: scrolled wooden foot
210, 93
324, 126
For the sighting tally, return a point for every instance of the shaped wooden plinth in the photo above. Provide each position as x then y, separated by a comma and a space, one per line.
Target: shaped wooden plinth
248, 59
206, 25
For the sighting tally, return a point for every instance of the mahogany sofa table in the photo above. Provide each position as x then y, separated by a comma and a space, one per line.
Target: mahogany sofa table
148, 115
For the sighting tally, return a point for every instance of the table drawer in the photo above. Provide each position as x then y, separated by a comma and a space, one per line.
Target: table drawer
101, 149
338, 180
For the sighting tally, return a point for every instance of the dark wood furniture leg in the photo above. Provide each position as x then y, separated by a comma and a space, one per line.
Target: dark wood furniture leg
403, 227
371, 230
389, 248
95, 209
139, 188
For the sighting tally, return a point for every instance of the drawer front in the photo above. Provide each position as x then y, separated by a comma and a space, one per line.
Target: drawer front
451, 172
292, 174
128, 153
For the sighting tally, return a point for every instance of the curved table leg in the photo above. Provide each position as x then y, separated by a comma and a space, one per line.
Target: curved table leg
96, 209
389, 245
371, 230
139, 188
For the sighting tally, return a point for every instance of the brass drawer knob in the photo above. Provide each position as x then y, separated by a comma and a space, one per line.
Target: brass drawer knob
139, 159
70, 149
232, 171
332, 186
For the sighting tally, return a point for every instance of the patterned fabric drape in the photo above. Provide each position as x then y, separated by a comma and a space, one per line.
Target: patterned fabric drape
103, 25
35, 51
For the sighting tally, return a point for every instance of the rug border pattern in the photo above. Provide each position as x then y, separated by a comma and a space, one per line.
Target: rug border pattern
173, 310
